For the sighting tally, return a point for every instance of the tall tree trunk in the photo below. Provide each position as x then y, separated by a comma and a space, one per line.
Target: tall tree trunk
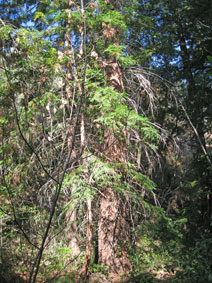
89, 232
89, 236
196, 120
113, 229
71, 215
194, 105
71, 218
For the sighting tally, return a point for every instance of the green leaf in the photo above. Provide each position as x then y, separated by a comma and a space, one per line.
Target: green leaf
209, 59
3, 120
208, 74
5, 31
39, 15
114, 50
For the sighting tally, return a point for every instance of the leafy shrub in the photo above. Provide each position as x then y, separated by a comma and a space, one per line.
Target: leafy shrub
197, 263
159, 244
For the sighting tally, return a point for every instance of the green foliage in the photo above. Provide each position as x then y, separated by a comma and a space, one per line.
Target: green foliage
98, 268
94, 174
55, 261
114, 50
109, 103
47, 91
196, 263
118, 51
3, 120
39, 15
5, 32
127, 61
139, 178
209, 72
139, 122
114, 18
117, 115
158, 243
67, 278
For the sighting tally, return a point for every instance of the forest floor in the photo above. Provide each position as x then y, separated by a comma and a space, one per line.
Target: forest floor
150, 276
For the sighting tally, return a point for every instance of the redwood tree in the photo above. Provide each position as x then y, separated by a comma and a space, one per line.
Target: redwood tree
80, 110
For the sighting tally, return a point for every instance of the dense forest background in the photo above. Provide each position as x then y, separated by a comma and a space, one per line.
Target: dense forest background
105, 141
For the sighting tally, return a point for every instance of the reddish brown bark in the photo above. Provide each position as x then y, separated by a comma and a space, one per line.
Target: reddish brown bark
71, 235
113, 230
